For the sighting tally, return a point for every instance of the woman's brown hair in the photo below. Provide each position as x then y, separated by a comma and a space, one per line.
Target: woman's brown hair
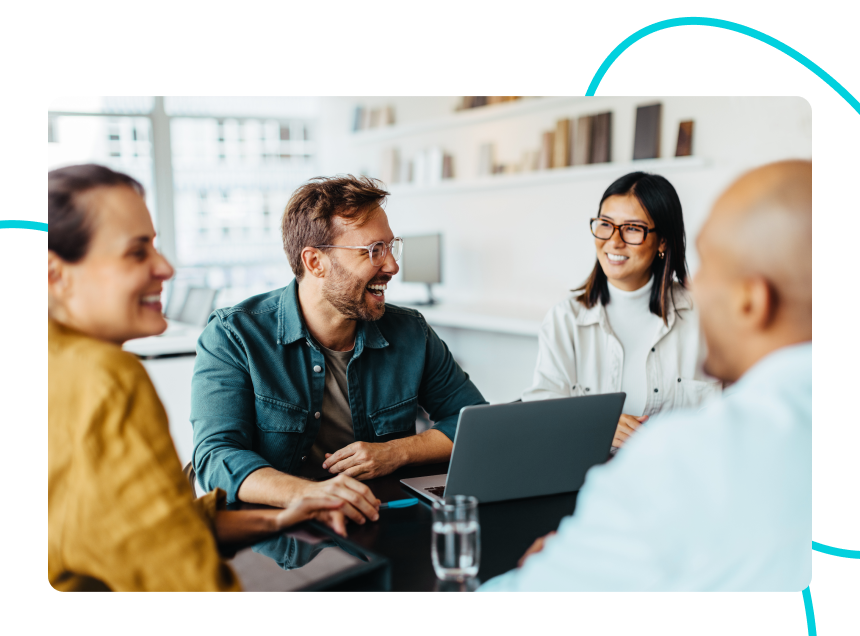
70, 226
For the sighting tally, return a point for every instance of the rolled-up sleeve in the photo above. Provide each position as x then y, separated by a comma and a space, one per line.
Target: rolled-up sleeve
445, 387
223, 414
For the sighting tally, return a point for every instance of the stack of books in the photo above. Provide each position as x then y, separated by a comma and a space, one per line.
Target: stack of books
367, 118
576, 142
427, 167
477, 102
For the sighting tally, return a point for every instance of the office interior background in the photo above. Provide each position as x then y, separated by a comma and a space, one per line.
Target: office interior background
508, 184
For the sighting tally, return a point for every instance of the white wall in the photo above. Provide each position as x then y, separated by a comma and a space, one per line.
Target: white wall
528, 244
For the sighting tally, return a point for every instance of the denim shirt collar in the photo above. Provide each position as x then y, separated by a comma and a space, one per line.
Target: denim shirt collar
291, 324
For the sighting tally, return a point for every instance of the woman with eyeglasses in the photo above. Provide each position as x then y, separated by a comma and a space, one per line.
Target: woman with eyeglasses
632, 326
121, 514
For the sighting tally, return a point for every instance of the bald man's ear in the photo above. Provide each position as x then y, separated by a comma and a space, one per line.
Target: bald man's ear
760, 301
313, 260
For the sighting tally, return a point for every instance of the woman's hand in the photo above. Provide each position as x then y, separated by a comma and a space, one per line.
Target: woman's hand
323, 508
627, 425
536, 547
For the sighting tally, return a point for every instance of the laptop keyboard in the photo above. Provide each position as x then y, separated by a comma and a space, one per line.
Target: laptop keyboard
439, 491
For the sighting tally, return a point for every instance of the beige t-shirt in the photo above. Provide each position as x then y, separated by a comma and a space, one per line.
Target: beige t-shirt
336, 424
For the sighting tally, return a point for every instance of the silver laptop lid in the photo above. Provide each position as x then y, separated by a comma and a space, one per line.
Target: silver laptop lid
529, 449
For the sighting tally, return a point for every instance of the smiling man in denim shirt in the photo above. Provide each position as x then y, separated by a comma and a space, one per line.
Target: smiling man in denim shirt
322, 374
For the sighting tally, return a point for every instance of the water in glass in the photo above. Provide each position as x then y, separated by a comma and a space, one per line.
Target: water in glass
456, 546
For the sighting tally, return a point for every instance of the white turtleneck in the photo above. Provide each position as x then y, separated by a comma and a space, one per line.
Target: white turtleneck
635, 326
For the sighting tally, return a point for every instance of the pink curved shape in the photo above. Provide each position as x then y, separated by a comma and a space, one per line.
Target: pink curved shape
710, 64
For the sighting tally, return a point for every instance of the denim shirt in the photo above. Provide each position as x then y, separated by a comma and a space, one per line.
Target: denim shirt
259, 379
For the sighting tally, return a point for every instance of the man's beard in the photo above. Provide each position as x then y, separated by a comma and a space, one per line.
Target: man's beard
346, 293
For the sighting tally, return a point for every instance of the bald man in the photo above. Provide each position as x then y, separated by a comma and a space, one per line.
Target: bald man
719, 499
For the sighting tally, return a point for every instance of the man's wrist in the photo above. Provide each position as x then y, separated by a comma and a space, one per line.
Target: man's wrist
295, 489
402, 451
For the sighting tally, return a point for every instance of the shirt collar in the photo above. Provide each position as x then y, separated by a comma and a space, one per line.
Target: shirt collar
291, 324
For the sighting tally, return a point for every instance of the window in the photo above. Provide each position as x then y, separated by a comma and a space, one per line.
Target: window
234, 163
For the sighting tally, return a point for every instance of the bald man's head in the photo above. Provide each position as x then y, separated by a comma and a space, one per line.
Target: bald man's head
754, 285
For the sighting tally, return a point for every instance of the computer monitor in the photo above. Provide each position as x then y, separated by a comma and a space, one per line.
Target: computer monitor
422, 262
198, 304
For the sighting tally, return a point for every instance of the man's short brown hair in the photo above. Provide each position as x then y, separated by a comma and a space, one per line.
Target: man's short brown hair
309, 217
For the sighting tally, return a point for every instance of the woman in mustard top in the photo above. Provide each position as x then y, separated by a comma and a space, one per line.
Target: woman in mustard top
121, 514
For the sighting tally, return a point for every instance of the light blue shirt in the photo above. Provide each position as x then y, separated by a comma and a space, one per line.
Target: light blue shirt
719, 499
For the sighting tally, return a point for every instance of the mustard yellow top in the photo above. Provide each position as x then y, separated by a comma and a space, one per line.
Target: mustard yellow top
121, 514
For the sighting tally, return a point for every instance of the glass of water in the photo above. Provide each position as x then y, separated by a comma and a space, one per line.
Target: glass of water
456, 546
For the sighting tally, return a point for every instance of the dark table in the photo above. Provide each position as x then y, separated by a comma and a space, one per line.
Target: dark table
403, 536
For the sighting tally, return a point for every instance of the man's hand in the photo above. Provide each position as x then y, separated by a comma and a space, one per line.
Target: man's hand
627, 425
359, 504
536, 547
364, 460
325, 509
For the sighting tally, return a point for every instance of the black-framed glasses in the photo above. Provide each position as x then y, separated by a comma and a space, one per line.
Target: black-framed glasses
376, 251
631, 233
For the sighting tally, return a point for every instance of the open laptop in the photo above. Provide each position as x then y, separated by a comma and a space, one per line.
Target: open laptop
526, 449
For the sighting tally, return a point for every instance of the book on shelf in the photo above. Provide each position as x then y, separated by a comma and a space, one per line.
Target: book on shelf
547, 149
685, 139
365, 118
419, 168
561, 144
477, 102
486, 159
389, 170
388, 116
601, 138
435, 165
646, 142
358, 119
447, 166
582, 141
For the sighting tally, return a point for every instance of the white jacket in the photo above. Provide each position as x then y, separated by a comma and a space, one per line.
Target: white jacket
578, 354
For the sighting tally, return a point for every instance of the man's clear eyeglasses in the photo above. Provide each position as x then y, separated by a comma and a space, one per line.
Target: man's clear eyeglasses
377, 251
631, 233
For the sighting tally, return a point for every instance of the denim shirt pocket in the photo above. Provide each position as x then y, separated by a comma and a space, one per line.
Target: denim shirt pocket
399, 418
280, 428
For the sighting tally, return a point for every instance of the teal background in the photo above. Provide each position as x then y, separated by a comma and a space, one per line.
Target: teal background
828, 49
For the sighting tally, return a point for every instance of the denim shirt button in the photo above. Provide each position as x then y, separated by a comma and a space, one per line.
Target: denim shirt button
317, 368
317, 415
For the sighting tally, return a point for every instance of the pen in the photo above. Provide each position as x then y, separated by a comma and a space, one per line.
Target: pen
399, 503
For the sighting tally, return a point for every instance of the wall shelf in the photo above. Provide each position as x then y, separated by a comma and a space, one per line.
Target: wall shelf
546, 177
467, 117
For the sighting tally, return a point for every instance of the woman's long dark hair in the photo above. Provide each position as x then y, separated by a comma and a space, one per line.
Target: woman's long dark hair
660, 200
